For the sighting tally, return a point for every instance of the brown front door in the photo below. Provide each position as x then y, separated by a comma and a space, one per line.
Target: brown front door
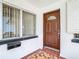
52, 29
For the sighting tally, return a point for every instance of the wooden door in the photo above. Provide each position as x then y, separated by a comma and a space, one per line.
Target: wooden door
52, 29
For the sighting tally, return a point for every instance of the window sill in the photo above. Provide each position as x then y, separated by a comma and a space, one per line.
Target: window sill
16, 39
75, 40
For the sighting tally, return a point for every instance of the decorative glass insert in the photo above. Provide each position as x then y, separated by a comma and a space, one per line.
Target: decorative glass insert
11, 22
51, 17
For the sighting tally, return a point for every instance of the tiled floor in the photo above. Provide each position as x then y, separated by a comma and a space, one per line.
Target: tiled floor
53, 52
44, 53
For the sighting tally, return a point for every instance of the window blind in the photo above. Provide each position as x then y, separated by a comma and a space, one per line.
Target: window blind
11, 21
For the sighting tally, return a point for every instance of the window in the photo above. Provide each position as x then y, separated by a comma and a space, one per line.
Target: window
76, 35
28, 24
11, 22
11, 18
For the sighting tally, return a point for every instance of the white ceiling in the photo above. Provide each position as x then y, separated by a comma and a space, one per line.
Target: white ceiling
41, 3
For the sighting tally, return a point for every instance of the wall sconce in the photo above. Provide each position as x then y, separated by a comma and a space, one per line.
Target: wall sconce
51, 17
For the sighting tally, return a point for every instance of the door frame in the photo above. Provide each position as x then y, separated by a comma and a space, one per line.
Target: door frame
44, 26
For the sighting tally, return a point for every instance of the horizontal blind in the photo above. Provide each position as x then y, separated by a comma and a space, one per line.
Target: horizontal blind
29, 24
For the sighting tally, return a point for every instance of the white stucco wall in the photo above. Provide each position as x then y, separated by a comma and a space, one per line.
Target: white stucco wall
0, 0
27, 46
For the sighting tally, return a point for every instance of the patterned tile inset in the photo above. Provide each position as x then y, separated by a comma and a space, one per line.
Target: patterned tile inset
43, 54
